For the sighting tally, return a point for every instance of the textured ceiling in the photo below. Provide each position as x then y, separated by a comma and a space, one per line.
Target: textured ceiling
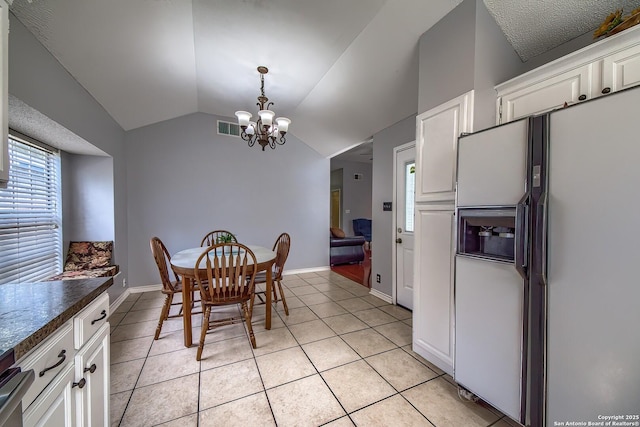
342, 70
30, 122
536, 26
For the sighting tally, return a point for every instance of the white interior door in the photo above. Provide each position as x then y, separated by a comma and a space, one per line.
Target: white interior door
405, 173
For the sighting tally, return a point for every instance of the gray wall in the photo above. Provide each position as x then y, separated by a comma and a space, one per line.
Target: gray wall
465, 50
87, 198
356, 194
495, 62
382, 233
447, 52
185, 180
38, 80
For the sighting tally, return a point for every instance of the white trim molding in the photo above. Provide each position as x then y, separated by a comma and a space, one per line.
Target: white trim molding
384, 297
134, 290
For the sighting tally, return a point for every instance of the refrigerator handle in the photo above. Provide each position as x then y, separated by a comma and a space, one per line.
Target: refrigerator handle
541, 246
522, 236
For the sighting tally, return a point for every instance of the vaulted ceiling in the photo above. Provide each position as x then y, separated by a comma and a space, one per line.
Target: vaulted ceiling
342, 70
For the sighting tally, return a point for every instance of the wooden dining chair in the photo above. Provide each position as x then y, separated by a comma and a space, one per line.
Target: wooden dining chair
281, 248
226, 276
171, 283
218, 236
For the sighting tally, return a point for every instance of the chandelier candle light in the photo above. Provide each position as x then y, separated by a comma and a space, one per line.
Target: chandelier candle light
264, 131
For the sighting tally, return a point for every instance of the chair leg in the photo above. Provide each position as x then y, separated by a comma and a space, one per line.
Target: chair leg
247, 319
203, 331
251, 301
275, 294
284, 301
164, 314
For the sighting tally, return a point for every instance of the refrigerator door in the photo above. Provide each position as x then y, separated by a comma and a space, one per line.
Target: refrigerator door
593, 294
489, 316
492, 166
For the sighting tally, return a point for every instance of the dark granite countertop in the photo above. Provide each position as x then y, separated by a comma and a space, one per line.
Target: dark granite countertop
30, 312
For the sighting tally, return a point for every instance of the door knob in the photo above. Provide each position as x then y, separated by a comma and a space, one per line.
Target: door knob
398, 240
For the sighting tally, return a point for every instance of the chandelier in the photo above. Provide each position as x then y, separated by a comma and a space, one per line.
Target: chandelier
264, 131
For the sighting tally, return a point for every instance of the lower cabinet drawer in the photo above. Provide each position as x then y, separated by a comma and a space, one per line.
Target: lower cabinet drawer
55, 406
90, 319
49, 358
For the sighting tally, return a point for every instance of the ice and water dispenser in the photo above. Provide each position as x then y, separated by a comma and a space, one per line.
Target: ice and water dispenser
487, 233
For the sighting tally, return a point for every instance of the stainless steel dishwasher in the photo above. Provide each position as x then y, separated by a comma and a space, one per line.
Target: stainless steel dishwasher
13, 385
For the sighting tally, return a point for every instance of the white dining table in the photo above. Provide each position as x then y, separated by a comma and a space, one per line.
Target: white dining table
184, 262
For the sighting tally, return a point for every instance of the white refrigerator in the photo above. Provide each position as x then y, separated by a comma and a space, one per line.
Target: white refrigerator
547, 284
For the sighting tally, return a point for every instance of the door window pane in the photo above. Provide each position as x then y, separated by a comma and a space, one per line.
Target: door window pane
409, 186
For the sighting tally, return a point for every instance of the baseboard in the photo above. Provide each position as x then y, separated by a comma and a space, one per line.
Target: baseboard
432, 356
382, 296
145, 288
115, 304
305, 270
134, 290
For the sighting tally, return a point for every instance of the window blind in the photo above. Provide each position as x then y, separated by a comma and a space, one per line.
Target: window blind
30, 215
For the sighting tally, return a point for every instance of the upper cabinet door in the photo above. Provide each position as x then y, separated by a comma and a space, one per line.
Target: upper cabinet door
4, 93
539, 96
436, 148
621, 70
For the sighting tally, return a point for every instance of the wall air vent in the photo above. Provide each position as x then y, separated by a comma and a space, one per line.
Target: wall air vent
228, 128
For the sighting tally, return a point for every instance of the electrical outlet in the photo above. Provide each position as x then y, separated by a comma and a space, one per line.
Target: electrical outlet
124, 283
377, 278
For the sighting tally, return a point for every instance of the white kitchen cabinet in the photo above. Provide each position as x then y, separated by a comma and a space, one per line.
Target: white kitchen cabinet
437, 132
56, 405
92, 365
47, 360
4, 93
71, 388
433, 312
607, 66
621, 70
547, 94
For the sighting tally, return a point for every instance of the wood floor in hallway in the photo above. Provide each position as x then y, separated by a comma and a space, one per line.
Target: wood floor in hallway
358, 272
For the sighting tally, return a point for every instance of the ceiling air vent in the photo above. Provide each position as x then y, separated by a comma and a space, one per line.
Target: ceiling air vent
228, 128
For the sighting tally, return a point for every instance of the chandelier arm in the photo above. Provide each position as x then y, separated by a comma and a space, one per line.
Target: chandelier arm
282, 140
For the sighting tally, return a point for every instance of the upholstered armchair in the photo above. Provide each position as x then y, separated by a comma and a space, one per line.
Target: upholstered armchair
362, 227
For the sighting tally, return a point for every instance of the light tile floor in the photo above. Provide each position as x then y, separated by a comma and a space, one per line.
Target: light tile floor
341, 358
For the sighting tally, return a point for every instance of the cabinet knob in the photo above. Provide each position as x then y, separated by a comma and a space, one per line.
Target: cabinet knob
582, 97
91, 368
606, 90
80, 383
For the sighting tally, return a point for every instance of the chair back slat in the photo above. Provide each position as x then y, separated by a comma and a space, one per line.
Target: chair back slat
281, 248
217, 236
163, 261
228, 276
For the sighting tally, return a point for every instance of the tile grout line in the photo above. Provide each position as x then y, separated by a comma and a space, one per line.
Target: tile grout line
139, 374
287, 326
